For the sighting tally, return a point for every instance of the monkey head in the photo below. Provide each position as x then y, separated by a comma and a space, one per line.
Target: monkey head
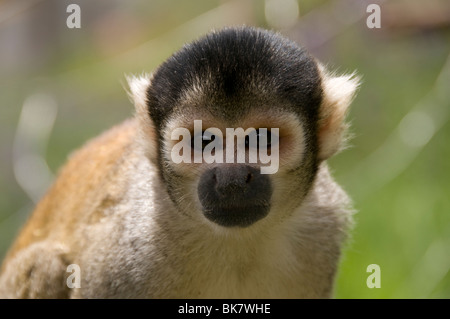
279, 102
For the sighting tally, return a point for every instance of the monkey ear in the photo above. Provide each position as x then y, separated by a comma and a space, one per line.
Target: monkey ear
338, 93
138, 92
138, 87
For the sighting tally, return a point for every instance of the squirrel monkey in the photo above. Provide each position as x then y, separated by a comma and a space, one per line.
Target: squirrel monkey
144, 217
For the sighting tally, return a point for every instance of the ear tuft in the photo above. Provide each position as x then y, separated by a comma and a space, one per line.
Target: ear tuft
138, 87
138, 90
338, 93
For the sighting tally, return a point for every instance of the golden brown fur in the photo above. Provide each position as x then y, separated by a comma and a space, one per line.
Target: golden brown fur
93, 174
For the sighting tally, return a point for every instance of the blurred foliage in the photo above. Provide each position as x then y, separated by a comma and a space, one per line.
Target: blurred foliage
402, 221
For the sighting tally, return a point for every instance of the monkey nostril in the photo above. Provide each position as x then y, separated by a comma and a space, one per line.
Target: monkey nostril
231, 182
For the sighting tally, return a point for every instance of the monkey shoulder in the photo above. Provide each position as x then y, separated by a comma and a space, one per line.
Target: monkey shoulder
84, 189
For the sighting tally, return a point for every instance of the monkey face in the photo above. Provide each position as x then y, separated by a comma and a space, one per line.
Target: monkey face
253, 80
237, 78
229, 191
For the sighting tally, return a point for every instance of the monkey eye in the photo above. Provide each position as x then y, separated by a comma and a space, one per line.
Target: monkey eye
206, 138
260, 136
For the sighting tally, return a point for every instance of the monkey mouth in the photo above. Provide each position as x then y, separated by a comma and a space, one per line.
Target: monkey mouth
236, 216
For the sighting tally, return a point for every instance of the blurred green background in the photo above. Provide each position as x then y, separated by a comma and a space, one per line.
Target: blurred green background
60, 86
